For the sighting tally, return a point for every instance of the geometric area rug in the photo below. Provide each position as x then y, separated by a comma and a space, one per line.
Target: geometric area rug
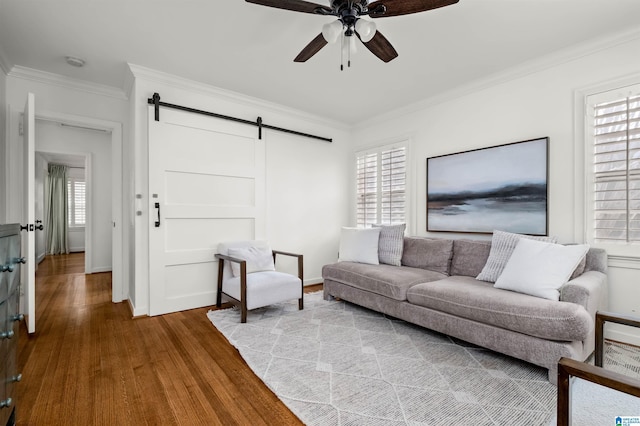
336, 363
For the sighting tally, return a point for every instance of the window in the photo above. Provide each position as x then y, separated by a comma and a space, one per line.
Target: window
381, 180
76, 196
615, 167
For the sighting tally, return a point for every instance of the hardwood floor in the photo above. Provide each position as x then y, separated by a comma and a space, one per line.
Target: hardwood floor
90, 363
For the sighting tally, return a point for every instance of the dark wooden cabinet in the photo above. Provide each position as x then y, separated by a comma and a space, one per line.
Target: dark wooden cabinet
10, 261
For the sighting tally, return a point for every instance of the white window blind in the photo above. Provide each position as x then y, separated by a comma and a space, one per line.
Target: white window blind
381, 178
616, 171
76, 195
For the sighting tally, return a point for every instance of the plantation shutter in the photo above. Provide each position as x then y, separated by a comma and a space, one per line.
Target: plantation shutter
393, 186
76, 193
616, 169
367, 190
79, 202
381, 186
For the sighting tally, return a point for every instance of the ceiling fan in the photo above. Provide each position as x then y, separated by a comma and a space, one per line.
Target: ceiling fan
350, 22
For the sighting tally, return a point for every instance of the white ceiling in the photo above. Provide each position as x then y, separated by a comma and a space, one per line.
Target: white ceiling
249, 49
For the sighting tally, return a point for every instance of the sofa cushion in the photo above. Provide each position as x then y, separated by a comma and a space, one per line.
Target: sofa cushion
426, 253
386, 280
479, 301
469, 257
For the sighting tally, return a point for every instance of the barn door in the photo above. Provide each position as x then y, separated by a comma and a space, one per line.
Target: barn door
206, 185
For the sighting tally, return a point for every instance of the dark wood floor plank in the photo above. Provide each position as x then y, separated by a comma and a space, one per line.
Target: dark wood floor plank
90, 363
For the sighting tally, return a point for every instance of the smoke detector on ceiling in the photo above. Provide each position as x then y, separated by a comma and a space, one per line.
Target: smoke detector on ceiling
74, 61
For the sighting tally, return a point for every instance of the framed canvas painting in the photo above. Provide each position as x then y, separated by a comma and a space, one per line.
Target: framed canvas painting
502, 188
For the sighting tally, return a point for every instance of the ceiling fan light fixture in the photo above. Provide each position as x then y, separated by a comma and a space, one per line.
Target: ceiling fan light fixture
332, 31
348, 47
353, 46
350, 14
366, 29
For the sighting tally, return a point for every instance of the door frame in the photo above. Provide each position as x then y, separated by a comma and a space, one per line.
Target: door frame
87, 161
119, 291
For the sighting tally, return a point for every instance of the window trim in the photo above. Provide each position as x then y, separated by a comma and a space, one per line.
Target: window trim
583, 159
409, 193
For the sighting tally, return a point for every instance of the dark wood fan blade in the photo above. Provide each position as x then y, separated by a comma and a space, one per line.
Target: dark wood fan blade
405, 7
380, 46
311, 49
295, 5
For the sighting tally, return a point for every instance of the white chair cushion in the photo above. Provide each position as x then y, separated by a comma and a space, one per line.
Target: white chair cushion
258, 259
223, 248
265, 288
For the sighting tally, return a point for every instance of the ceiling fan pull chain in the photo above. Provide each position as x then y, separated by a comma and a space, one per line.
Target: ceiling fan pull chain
342, 53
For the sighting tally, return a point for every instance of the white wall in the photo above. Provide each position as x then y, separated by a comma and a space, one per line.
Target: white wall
538, 102
53, 138
75, 100
307, 195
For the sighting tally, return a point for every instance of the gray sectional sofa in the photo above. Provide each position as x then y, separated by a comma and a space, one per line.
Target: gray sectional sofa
439, 291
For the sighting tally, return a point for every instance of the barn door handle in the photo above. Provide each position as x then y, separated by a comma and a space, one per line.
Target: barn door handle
158, 221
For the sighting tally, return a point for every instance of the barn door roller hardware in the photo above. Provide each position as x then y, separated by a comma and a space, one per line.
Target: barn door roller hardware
155, 101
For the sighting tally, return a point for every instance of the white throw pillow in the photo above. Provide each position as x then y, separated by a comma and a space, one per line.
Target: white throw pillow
391, 243
258, 259
359, 245
539, 268
502, 245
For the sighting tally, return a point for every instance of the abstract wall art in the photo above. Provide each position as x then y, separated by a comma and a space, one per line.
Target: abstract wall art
502, 187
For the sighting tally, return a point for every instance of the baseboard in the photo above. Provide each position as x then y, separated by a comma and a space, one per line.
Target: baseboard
41, 258
135, 312
312, 281
623, 334
101, 269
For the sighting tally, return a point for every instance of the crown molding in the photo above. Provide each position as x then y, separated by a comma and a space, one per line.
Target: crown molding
4, 64
542, 63
171, 80
66, 82
129, 81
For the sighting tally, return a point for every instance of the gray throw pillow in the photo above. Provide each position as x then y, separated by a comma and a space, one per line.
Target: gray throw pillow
502, 246
390, 244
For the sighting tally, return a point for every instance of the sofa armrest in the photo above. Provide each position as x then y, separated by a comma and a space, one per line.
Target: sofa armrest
588, 290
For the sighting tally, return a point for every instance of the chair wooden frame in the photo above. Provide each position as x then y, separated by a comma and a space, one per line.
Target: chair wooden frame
243, 280
568, 368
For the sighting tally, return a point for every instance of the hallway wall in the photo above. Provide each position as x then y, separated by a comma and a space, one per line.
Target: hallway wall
51, 137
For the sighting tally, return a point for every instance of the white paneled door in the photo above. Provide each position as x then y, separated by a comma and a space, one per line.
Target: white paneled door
28, 212
206, 185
